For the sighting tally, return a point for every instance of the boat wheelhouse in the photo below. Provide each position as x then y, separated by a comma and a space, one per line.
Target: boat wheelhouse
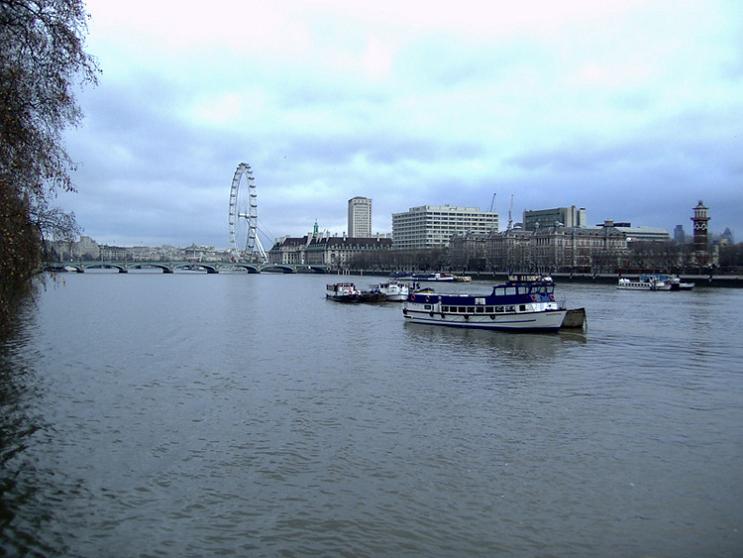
676, 283
523, 303
342, 292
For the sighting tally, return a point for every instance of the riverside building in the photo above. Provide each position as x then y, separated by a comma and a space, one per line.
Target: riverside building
431, 226
546, 249
360, 217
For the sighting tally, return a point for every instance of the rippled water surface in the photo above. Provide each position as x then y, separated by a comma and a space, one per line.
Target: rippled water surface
245, 415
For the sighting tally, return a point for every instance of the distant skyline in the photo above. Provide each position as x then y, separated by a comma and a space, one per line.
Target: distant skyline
631, 109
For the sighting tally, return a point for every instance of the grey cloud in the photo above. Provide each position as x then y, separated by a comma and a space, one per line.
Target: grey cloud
378, 148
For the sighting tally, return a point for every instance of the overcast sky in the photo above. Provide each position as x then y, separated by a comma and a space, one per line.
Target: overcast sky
631, 109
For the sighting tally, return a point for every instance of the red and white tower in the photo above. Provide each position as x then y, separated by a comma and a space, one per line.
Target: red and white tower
700, 220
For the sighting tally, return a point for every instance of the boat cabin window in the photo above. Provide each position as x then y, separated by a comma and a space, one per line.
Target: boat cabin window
510, 309
426, 306
510, 290
461, 309
480, 309
470, 310
500, 291
522, 307
444, 308
488, 309
499, 308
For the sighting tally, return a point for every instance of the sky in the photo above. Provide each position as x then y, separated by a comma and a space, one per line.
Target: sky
631, 109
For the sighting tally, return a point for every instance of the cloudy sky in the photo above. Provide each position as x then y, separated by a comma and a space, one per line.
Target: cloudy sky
632, 109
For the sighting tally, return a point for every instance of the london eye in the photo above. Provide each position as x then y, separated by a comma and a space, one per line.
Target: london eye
243, 217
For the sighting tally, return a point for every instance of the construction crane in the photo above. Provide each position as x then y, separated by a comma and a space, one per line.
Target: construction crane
492, 203
510, 220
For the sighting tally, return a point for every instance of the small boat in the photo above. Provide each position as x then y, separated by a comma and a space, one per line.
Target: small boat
678, 285
523, 303
432, 277
645, 283
463, 278
393, 291
342, 292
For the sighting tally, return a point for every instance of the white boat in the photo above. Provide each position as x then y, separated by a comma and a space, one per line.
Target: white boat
678, 285
644, 283
525, 303
393, 291
432, 277
342, 292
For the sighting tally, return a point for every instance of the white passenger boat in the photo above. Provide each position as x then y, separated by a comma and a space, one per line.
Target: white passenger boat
393, 291
437, 277
644, 283
523, 303
342, 292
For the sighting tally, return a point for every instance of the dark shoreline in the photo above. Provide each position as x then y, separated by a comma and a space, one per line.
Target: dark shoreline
725, 281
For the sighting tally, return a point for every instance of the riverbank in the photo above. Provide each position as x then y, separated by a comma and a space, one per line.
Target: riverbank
727, 281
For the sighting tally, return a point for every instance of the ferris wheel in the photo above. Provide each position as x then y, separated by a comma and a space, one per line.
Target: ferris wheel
243, 216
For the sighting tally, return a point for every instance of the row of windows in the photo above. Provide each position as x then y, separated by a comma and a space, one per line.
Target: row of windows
477, 309
445, 220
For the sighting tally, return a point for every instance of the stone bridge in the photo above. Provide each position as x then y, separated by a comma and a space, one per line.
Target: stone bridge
179, 266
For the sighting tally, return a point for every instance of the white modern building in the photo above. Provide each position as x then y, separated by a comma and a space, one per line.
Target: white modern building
360, 217
637, 234
431, 226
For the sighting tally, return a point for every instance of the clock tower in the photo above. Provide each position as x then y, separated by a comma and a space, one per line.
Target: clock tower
700, 220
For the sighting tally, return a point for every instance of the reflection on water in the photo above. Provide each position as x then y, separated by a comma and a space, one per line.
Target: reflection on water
201, 415
512, 348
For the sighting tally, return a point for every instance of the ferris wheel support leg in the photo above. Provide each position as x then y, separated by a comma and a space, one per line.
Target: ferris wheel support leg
260, 250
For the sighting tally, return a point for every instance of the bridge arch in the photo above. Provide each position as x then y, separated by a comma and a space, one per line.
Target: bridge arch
152, 265
101, 265
278, 267
209, 268
249, 267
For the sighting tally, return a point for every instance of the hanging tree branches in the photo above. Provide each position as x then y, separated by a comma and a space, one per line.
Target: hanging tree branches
42, 61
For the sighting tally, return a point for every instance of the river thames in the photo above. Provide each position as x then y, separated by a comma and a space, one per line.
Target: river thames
245, 415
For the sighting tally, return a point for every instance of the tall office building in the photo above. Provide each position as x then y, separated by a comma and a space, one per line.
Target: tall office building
556, 217
430, 226
359, 217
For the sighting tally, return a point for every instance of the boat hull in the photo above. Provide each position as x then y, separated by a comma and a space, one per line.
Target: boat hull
640, 287
523, 321
343, 298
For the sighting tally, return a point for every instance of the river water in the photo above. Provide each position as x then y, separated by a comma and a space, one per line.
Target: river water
245, 415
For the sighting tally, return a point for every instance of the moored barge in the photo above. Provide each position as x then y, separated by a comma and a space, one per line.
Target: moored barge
342, 292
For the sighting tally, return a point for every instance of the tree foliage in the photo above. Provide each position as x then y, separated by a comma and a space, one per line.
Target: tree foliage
42, 59
42, 62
